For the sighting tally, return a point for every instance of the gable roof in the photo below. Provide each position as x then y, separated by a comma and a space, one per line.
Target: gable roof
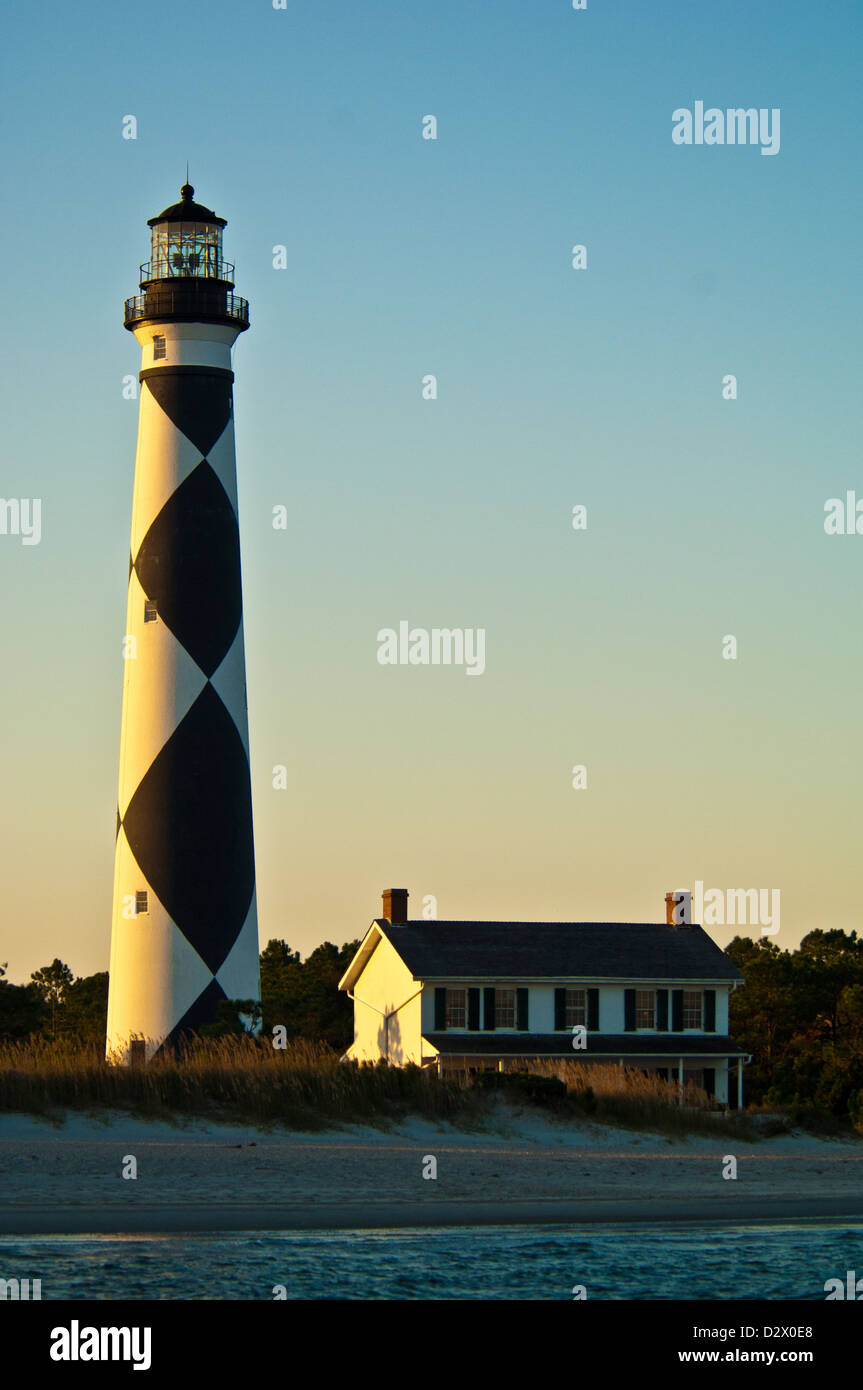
543, 950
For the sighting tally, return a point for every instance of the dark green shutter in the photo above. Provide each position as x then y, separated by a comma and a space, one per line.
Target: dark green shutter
593, 1011
521, 1010
473, 1010
488, 1002
629, 1010
677, 1011
559, 1009
440, 1009
710, 1011
662, 1011
710, 1080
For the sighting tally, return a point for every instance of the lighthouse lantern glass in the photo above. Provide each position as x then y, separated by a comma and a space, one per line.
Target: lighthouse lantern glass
186, 249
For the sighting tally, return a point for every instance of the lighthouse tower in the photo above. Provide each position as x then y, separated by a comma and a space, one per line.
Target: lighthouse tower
184, 933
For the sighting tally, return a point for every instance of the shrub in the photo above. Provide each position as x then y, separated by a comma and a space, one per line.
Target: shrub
855, 1110
543, 1090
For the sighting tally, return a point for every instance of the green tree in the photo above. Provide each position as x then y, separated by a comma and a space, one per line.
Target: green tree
22, 1010
762, 1010
825, 965
52, 983
304, 995
83, 1014
851, 1013
800, 1014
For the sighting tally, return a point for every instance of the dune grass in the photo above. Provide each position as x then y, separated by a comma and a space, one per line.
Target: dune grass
306, 1086
627, 1097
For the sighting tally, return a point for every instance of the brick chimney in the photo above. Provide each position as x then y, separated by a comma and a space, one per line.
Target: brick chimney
678, 909
395, 905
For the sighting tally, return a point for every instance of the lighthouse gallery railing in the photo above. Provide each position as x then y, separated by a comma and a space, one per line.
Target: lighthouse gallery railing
204, 300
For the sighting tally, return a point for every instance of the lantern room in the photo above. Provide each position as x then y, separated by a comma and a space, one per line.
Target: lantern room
186, 243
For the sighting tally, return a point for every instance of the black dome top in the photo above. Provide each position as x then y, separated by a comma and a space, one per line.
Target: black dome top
187, 211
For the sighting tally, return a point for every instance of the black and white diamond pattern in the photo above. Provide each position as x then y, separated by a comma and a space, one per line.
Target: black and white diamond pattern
184, 811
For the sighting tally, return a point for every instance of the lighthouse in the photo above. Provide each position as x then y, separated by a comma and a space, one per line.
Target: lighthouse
184, 931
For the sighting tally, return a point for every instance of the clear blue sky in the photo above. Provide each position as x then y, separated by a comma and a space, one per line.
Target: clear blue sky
556, 387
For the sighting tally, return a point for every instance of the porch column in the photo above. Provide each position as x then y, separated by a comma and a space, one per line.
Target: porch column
739, 1083
680, 1077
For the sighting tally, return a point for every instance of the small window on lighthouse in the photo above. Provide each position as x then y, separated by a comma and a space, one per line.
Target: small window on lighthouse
141, 903
160, 348
151, 612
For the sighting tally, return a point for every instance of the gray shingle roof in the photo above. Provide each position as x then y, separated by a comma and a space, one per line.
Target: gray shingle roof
598, 1044
567, 950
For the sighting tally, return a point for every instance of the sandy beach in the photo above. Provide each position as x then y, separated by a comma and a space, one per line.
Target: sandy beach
522, 1169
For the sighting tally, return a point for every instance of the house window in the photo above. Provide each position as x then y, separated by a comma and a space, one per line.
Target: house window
151, 611
504, 1008
692, 1008
141, 903
645, 1008
456, 1008
160, 347
694, 1076
576, 1008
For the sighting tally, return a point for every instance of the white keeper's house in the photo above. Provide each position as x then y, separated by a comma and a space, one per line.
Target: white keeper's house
458, 995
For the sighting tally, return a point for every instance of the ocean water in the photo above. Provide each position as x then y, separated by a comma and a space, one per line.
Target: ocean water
485, 1262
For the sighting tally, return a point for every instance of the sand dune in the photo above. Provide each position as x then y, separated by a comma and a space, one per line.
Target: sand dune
525, 1168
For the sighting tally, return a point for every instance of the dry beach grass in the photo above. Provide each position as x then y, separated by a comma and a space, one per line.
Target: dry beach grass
306, 1087
304, 1084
